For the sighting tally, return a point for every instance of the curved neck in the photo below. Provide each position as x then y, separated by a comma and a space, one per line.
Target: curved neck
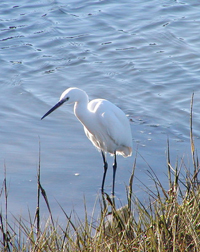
80, 109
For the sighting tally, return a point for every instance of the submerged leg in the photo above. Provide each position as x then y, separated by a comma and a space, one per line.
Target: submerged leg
114, 172
105, 170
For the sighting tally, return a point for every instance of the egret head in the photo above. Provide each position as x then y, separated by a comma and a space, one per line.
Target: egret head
69, 96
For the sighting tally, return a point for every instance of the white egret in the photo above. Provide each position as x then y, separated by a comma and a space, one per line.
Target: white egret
106, 126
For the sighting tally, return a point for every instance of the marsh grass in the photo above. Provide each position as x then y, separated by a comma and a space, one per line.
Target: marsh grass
169, 221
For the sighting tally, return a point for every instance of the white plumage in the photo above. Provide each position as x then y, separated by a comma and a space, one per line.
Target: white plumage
105, 125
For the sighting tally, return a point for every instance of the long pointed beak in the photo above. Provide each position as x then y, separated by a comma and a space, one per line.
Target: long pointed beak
54, 108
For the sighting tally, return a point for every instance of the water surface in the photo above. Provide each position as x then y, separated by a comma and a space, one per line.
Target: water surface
142, 56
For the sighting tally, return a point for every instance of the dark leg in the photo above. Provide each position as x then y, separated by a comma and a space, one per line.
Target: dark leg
114, 172
105, 170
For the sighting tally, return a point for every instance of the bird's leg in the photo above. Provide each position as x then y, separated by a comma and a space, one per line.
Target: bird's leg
114, 172
105, 170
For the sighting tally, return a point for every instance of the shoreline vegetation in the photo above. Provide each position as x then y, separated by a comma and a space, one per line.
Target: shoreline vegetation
170, 221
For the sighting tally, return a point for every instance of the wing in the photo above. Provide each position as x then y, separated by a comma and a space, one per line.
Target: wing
114, 131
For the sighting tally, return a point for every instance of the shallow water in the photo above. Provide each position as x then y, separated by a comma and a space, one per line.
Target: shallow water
142, 56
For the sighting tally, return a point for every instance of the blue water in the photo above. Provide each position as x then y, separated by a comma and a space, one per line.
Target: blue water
142, 56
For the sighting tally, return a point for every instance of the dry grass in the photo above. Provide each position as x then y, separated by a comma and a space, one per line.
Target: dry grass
169, 222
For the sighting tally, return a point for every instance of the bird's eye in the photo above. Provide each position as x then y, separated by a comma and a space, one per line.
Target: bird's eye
67, 98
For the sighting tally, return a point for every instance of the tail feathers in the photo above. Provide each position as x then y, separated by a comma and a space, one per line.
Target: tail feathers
125, 152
